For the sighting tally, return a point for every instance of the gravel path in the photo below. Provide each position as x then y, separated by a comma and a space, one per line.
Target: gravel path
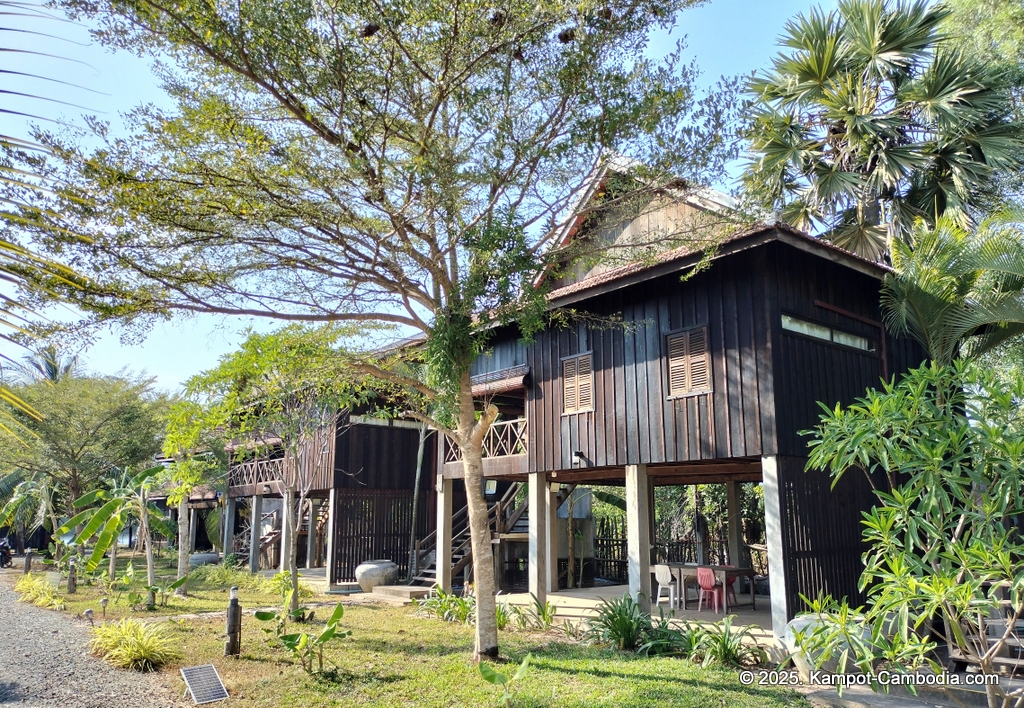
45, 662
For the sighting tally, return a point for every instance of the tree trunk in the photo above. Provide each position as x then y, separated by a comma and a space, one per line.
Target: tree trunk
112, 570
471, 433
416, 499
292, 564
183, 549
150, 564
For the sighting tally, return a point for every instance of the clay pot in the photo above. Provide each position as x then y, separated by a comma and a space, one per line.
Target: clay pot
371, 573
197, 559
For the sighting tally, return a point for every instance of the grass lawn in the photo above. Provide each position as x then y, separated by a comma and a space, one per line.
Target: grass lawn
202, 596
395, 659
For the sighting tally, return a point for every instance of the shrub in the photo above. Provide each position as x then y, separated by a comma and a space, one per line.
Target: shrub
447, 606
35, 589
726, 645
226, 576
132, 644
542, 614
663, 639
621, 623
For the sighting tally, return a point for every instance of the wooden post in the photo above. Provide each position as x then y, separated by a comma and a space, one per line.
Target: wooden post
332, 548
551, 538
229, 524
537, 508
732, 495
255, 515
773, 539
638, 534
443, 545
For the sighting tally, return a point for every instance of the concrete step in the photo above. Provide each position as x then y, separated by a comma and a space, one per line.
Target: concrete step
406, 592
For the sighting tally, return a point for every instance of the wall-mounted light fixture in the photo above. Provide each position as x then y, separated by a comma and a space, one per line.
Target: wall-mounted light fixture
267, 489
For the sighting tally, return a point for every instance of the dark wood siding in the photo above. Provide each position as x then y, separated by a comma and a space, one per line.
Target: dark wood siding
821, 532
505, 351
381, 457
634, 418
809, 370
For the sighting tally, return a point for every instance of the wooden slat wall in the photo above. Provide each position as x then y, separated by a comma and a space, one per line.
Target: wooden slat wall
822, 532
381, 457
634, 420
374, 524
809, 370
507, 350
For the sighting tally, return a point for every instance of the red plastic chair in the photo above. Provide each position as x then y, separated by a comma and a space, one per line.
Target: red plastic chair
708, 584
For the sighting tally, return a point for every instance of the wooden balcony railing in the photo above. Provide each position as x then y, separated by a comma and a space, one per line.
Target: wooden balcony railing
256, 472
507, 437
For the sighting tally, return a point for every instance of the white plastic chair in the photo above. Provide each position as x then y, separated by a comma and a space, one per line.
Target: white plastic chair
663, 574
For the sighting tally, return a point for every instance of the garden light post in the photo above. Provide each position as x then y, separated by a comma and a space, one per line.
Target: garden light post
103, 606
72, 577
233, 646
28, 561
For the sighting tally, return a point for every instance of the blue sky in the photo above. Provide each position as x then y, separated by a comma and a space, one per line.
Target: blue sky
726, 37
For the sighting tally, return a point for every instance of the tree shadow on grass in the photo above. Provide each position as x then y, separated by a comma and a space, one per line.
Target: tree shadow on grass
334, 679
10, 692
410, 647
707, 680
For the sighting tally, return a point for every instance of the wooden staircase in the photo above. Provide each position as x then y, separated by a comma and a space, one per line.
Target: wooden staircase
504, 516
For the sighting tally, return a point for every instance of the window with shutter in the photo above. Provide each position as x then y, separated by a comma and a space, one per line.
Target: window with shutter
577, 384
689, 367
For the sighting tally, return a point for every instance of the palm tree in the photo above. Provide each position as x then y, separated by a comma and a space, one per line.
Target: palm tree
873, 121
48, 364
959, 293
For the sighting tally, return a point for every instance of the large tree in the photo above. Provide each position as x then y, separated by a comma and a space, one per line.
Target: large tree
388, 162
89, 428
873, 120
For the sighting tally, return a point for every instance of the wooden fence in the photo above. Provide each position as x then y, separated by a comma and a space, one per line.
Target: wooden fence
374, 524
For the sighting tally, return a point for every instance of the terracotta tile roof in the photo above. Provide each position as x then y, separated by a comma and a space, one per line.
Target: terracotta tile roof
619, 272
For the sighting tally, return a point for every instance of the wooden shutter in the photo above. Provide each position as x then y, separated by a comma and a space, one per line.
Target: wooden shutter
584, 383
570, 399
677, 364
697, 353
688, 366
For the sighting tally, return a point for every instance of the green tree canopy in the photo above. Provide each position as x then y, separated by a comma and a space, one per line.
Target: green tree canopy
89, 428
873, 119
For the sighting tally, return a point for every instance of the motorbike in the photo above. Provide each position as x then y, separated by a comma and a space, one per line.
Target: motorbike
6, 556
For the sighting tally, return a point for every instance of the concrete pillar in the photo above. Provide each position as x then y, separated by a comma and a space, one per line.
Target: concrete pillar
443, 547
732, 496
255, 514
638, 534
286, 537
332, 520
311, 535
774, 541
552, 536
538, 505
193, 519
229, 523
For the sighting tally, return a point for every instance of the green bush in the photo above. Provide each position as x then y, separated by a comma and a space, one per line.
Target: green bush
727, 645
663, 639
621, 623
225, 576
132, 644
447, 606
35, 589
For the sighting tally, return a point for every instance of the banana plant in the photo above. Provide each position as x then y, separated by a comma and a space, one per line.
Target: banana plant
496, 678
109, 510
307, 648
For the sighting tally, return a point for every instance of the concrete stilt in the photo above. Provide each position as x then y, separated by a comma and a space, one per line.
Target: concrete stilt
773, 539
539, 516
443, 547
229, 524
255, 514
638, 534
329, 561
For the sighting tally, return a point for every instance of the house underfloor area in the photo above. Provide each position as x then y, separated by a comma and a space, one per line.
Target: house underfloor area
584, 603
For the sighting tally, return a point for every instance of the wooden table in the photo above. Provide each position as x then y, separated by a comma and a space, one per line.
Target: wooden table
685, 572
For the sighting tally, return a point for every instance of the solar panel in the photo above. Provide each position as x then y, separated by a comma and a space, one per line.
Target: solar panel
204, 683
